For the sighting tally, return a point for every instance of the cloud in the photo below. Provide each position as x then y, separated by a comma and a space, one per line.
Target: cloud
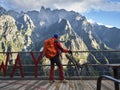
76, 5
94, 22
91, 21
109, 26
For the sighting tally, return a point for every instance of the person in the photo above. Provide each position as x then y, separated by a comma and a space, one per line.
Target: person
57, 60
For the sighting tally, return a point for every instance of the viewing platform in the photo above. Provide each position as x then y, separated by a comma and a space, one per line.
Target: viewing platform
45, 85
26, 71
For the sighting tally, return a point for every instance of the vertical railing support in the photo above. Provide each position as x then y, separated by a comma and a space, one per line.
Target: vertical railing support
99, 80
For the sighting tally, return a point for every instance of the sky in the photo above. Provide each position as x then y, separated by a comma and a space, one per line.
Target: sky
104, 12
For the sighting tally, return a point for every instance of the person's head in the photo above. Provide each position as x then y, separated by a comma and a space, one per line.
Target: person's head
56, 36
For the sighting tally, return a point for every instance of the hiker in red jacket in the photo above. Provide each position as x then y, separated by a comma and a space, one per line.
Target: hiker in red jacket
56, 60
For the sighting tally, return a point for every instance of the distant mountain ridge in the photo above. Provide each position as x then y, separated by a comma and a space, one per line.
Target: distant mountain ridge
26, 31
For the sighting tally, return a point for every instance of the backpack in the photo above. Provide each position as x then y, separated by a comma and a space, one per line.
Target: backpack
49, 48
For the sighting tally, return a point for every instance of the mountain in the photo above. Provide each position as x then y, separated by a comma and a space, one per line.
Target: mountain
26, 31
2, 10
110, 36
9, 33
13, 37
25, 23
46, 17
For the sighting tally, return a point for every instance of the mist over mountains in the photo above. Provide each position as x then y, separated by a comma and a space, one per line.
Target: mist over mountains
26, 31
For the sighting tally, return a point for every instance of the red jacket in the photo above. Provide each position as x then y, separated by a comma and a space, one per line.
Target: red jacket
59, 47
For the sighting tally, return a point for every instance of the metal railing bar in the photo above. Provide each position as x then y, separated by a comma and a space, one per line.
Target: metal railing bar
72, 51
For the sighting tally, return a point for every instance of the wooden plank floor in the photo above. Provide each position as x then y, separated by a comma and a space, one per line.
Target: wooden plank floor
45, 85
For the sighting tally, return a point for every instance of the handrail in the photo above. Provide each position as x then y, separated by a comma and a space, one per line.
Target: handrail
99, 80
109, 65
97, 51
72, 51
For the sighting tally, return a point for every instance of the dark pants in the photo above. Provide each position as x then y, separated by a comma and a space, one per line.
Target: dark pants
56, 60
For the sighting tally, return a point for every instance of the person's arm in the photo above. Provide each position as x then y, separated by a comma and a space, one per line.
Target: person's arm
59, 46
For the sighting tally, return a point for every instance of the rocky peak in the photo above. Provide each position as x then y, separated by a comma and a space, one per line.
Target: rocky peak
7, 23
66, 25
2, 10
44, 9
25, 22
13, 14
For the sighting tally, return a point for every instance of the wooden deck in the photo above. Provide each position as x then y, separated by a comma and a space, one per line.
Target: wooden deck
45, 85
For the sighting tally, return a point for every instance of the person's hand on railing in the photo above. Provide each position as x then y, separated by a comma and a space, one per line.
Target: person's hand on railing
70, 52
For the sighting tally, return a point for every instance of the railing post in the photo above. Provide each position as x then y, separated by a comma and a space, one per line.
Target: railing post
99, 83
115, 72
